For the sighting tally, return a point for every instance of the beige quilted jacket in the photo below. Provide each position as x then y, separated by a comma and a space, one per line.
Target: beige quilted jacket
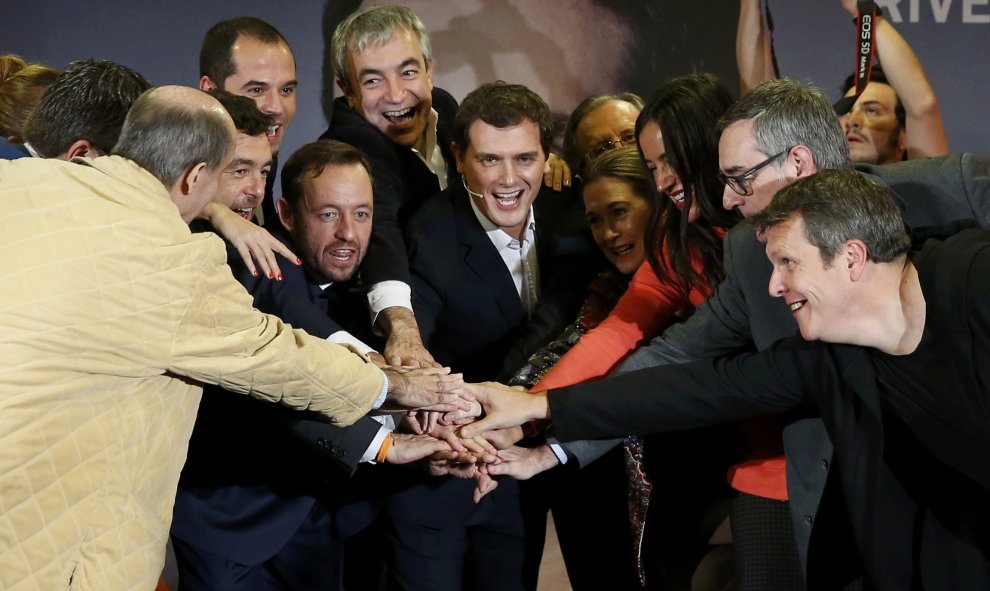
111, 311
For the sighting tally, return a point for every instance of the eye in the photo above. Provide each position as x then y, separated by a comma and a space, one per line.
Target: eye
526, 158
620, 212
265, 172
410, 73
488, 160
371, 82
329, 216
362, 216
254, 91
288, 90
593, 220
239, 172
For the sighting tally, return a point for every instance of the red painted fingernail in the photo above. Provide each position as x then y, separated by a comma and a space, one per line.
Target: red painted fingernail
271, 275
255, 273
279, 277
298, 261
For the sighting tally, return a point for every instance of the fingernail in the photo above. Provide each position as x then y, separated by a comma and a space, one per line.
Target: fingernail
255, 273
279, 277
298, 261
271, 275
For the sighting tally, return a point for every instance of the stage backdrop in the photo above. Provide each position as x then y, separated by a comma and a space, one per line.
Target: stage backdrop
563, 49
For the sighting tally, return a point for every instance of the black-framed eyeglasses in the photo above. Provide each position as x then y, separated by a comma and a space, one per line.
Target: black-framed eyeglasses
627, 138
743, 183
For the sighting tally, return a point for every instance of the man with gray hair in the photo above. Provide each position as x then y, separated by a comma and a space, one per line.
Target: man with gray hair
390, 110
779, 133
113, 316
893, 354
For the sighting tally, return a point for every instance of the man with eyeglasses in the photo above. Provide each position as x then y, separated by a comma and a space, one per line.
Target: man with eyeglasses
778, 133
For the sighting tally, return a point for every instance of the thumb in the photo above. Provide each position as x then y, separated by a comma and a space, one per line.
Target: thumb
480, 426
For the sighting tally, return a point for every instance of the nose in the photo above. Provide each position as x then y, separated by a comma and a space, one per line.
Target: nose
777, 288
395, 93
345, 229
851, 120
610, 232
270, 104
731, 199
663, 176
257, 186
507, 174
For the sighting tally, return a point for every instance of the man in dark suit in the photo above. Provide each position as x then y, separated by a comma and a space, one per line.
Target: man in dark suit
265, 497
496, 272
892, 353
391, 112
740, 313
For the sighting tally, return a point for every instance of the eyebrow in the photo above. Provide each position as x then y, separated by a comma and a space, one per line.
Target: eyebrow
409, 61
250, 83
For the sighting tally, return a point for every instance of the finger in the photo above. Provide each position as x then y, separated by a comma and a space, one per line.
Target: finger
485, 485
472, 446
285, 251
557, 177
431, 421
269, 257
245, 253
485, 444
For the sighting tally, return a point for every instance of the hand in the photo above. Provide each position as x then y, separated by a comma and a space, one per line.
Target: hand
523, 463
377, 359
405, 345
251, 241
422, 421
501, 438
504, 407
558, 173
461, 417
408, 448
463, 465
431, 388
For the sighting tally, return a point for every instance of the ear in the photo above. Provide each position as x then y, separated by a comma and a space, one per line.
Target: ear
854, 255
800, 158
206, 84
184, 192
82, 149
902, 142
285, 213
345, 89
458, 157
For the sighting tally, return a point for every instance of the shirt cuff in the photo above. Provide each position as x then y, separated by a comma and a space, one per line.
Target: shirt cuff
381, 397
388, 294
376, 444
342, 337
557, 449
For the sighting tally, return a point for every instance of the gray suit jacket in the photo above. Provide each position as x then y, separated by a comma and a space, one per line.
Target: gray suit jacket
741, 314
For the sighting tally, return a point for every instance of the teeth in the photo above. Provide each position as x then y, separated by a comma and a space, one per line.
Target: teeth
622, 249
407, 112
796, 306
272, 130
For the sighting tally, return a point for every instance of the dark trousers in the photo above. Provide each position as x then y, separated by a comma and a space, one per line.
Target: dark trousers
310, 560
433, 549
763, 542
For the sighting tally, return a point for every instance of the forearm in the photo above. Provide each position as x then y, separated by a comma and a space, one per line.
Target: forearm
753, 52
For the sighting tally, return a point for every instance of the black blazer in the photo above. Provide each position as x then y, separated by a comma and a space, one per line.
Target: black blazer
402, 182
254, 469
466, 304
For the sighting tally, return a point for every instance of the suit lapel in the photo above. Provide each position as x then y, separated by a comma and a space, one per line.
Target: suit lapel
482, 258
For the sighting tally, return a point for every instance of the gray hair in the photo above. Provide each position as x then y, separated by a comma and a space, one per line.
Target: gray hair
573, 155
374, 25
838, 206
168, 139
786, 113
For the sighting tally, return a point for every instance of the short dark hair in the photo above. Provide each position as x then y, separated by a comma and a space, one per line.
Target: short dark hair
786, 113
309, 162
573, 155
216, 60
248, 119
502, 105
168, 139
877, 75
837, 206
88, 101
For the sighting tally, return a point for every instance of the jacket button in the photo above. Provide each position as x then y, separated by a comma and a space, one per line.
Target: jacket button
321, 443
824, 464
808, 520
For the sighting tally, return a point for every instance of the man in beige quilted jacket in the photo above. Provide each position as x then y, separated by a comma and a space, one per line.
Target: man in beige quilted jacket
112, 315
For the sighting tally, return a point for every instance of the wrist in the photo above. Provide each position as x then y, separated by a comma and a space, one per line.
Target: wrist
387, 446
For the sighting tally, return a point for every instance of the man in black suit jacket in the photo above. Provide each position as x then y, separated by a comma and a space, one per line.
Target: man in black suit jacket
258, 503
904, 398
496, 272
392, 113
